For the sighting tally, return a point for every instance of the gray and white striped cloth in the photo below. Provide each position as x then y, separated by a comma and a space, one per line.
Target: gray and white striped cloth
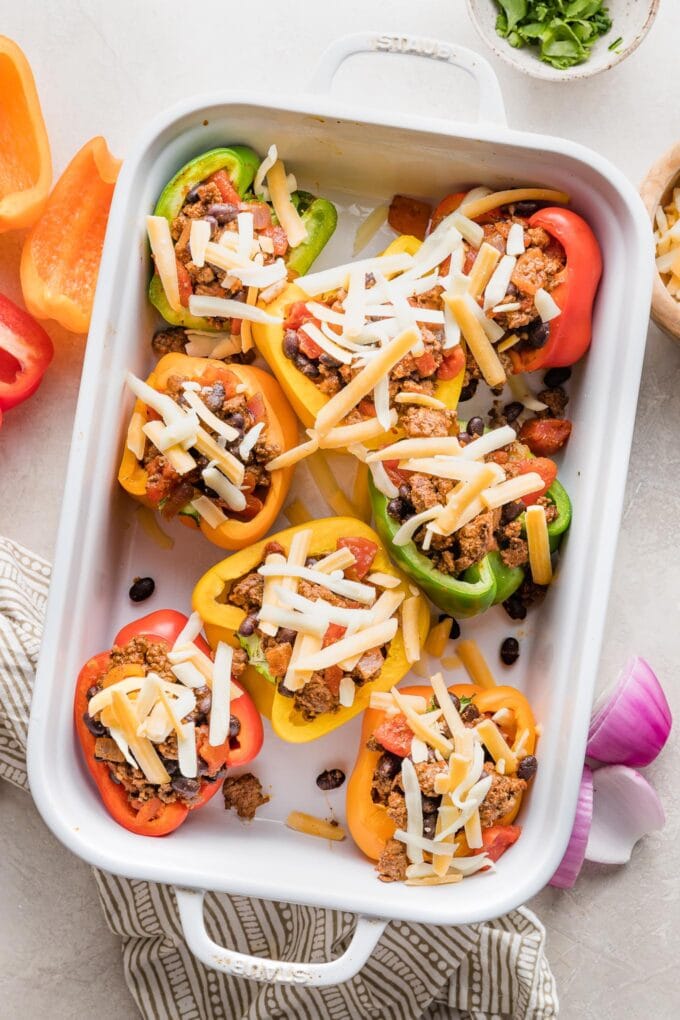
491, 971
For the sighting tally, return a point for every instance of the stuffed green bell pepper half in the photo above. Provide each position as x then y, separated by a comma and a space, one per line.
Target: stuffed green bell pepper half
228, 230
452, 511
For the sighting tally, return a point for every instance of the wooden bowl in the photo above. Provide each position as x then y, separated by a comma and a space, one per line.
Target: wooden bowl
656, 190
632, 19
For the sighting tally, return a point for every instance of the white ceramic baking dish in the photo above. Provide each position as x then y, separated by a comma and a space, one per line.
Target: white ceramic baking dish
358, 158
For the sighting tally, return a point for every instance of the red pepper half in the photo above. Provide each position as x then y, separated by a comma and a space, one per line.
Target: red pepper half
25, 352
161, 627
571, 331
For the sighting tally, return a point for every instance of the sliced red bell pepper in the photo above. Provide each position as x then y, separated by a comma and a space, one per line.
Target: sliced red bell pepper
571, 331
226, 189
25, 353
161, 627
498, 838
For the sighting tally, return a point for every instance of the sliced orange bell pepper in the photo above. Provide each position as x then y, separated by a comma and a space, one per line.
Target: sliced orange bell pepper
369, 823
281, 429
25, 161
61, 255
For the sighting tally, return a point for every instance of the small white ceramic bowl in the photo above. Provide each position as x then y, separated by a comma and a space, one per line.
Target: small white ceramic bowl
656, 189
631, 19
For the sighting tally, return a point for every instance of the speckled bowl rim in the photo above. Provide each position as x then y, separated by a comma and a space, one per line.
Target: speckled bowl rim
579, 72
665, 309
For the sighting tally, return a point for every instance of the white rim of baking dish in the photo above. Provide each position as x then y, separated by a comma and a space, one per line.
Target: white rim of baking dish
493, 129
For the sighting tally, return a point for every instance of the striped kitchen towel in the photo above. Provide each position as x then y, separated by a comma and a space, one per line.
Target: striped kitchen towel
491, 971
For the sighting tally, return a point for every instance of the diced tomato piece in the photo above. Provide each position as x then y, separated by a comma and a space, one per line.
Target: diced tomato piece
214, 757
333, 633
366, 408
235, 326
470, 256
185, 286
262, 217
279, 239
332, 676
498, 838
297, 314
249, 481
394, 472
426, 363
230, 195
446, 207
252, 508
452, 365
499, 457
409, 216
215, 373
544, 467
256, 406
545, 436
364, 551
395, 735
309, 347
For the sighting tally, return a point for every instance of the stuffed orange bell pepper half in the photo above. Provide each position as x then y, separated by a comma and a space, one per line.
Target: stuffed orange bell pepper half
324, 617
159, 719
439, 780
203, 444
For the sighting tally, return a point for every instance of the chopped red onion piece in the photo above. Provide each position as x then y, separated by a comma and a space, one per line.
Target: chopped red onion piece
572, 862
626, 807
632, 722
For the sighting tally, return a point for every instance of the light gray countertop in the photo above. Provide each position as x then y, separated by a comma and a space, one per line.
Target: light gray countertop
101, 68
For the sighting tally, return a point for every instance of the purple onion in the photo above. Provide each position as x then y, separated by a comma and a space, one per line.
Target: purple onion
631, 723
574, 855
626, 808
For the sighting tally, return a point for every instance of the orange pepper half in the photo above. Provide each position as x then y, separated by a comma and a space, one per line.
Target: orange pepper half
370, 825
25, 161
61, 255
281, 429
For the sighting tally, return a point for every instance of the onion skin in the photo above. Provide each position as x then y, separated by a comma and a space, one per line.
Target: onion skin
574, 856
626, 808
633, 725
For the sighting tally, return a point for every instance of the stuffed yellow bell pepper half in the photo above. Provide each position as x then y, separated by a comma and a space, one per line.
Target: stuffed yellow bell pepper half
325, 618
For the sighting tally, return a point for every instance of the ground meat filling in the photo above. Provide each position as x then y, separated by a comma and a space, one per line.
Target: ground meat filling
244, 794
321, 693
174, 340
491, 530
152, 657
173, 493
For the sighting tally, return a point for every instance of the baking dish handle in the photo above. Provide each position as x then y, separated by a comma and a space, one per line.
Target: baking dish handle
256, 968
491, 106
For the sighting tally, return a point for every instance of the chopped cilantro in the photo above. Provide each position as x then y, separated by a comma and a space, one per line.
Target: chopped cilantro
564, 31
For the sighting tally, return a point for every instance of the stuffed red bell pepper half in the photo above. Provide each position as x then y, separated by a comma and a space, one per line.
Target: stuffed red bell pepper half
159, 718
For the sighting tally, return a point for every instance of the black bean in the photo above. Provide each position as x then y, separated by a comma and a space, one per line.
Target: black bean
203, 700
511, 511
469, 713
223, 212
236, 420
538, 334
475, 426
405, 492
91, 691
142, 588
525, 208
330, 779
464, 437
512, 410
286, 635
455, 626
188, 788
234, 726
429, 826
527, 767
284, 691
212, 220
389, 765
515, 608
306, 366
248, 625
171, 765
556, 376
193, 195
114, 778
214, 396
399, 508
328, 361
311, 561
97, 729
245, 357
511, 291
291, 343
509, 651
456, 701
468, 391
430, 804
